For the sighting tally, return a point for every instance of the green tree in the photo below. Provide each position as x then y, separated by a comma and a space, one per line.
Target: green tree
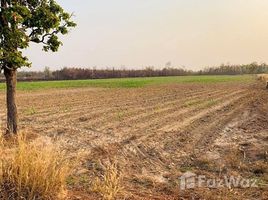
21, 23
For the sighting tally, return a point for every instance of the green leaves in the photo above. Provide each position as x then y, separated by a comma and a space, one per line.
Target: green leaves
53, 43
22, 22
15, 59
18, 59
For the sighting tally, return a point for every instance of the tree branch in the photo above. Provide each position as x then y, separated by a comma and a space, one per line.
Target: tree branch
42, 40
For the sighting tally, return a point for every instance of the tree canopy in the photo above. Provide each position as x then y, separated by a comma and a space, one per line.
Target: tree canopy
26, 21
23, 22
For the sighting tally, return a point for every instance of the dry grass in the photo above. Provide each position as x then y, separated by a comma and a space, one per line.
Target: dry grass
32, 171
109, 185
262, 77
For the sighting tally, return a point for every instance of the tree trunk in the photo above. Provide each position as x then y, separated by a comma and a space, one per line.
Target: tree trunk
12, 114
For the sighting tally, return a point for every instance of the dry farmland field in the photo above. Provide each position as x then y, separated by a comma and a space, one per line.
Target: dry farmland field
149, 131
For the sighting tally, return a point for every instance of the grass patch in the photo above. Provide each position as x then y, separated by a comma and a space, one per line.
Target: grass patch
128, 82
31, 171
30, 111
192, 103
109, 186
200, 103
210, 103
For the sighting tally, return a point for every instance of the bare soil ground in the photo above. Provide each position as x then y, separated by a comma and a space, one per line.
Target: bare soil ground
157, 133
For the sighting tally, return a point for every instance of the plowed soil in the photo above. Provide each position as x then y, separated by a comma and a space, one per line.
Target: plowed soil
156, 133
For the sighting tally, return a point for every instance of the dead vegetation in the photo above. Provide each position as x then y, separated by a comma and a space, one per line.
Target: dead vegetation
109, 185
264, 78
32, 170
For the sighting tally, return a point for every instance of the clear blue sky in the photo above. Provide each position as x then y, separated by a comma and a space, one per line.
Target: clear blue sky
139, 33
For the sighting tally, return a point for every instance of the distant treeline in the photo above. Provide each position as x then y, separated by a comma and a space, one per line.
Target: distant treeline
86, 73
80, 73
253, 68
